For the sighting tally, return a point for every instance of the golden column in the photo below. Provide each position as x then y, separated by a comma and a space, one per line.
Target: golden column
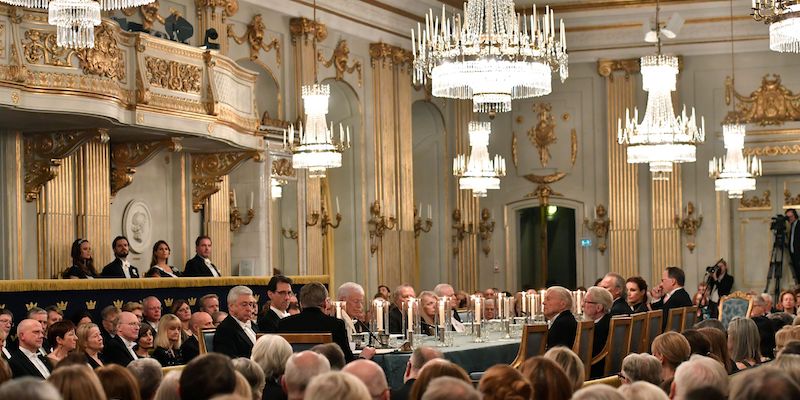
93, 199
394, 183
666, 204
216, 220
212, 14
465, 246
623, 189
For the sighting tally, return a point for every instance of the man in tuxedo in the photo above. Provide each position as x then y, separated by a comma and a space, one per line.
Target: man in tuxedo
235, 335
120, 349
446, 290
352, 294
314, 300
793, 241
40, 315
279, 291
562, 326
400, 295
120, 267
418, 359
190, 348
597, 306
25, 360
615, 284
108, 326
672, 281
200, 264
152, 311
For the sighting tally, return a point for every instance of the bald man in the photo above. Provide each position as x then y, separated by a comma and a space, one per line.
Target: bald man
300, 369
190, 348
371, 374
419, 358
25, 360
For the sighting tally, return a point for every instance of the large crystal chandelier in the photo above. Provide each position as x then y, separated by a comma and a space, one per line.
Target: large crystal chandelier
734, 173
662, 138
783, 18
478, 172
493, 56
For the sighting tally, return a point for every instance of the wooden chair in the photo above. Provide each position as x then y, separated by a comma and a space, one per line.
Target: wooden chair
584, 340
675, 319
639, 333
736, 304
534, 342
166, 370
689, 318
612, 381
653, 327
619, 344
207, 344
305, 341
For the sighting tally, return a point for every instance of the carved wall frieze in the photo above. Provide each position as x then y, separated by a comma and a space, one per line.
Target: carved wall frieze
174, 103
282, 167
339, 60
543, 190
756, 202
790, 201
573, 146
514, 154
781, 150
43, 153
173, 75
125, 157
2, 40
606, 68
39, 47
17, 71
770, 104
305, 28
208, 170
543, 134
106, 58
390, 55
255, 38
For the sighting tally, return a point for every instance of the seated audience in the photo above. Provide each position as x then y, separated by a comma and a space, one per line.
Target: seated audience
146, 342
670, 293
119, 350
336, 385
570, 363
168, 341
419, 358
120, 267
218, 317
762, 306
209, 303
81, 317
77, 382
82, 262
597, 307
435, 369
25, 359
503, 382
90, 342
786, 334
615, 284
62, 336
698, 372
118, 383
353, 315
400, 295
671, 349
181, 309
719, 347
168, 389
449, 388
446, 290
152, 311
207, 376
148, 375
698, 343
40, 315
160, 261
300, 369
787, 302
384, 292
428, 306
254, 375
558, 311
372, 376
489, 308
190, 348
642, 391
279, 291
235, 335
763, 383
271, 352
640, 368
598, 392
333, 353
28, 388
790, 363
743, 342
636, 288
548, 380
200, 265
132, 306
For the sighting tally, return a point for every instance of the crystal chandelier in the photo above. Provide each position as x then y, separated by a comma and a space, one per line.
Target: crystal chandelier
734, 173
662, 138
478, 172
492, 57
783, 18
104, 4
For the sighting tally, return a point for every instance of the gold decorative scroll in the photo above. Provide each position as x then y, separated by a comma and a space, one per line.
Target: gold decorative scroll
208, 170
229, 7
2, 40
389, 55
606, 68
255, 38
573, 146
106, 58
150, 14
339, 59
173, 75
781, 150
44, 152
599, 226
770, 104
125, 157
544, 133
543, 190
788, 200
752, 203
282, 167
305, 28
39, 47
485, 230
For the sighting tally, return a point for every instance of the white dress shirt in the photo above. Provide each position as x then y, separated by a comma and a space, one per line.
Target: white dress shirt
248, 329
5, 352
211, 268
457, 325
36, 361
126, 268
129, 346
281, 314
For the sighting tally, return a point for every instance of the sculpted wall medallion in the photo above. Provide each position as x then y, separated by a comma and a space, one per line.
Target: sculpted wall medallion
137, 226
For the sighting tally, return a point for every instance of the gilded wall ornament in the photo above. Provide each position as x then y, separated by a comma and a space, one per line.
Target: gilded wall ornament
208, 170
514, 154
770, 104
689, 224
106, 58
229, 7
2, 40
125, 157
388, 55
544, 133
573, 146
606, 68
339, 59
543, 190
781, 150
600, 227
304, 28
255, 38
788, 200
173, 75
39, 47
755, 202
18, 72
282, 167
485, 230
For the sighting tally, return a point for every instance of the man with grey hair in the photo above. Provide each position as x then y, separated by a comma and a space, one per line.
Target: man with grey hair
449, 388
147, 372
419, 358
352, 294
152, 311
641, 367
615, 284
400, 294
597, 307
235, 335
761, 307
372, 375
446, 290
25, 360
29, 388
562, 326
698, 372
300, 368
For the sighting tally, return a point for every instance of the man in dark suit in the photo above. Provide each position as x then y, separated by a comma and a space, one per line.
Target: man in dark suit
615, 284
446, 290
720, 284
418, 359
190, 348
120, 349
235, 335
279, 291
562, 326
314, 300
200, 264
793, 241
120, 267
400, 295
596, 307
25, 360
670, 293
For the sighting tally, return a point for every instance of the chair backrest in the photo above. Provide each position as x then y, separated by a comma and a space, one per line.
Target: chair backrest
689, 318
166, 370
612, 381
207, 344
584, 342
639, 333
653, 327
305, 341
619, 343
534, 341
736, 304
675, 319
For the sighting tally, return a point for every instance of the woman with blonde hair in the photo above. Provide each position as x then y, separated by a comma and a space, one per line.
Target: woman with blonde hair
427, 312
271, 352
77, 382
784, 335
671, 349
503, 382
168, 341
90, 342
744, 342
570, 363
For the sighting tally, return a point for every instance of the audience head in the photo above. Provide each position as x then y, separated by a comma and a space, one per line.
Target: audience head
432, 370
133, 306
570, 363
763, 383
671, 349
598, 392
428, 305
118, 382
6, 320
206, 376
402, 293
556, 300
271, 353
161, 251
672, 278
146, 339
421, 356
719, 346
785, 334
40, 315
89, 338
791, 347
548, 380
202, 246
371, 375
241, 391
241, 303
353, 296
597, 303
148, 374
336, 385
30, 334
181, 309
790, 363
168, 389
641, 367
503, 382
615, 284
449, 388
333, 353
698, 342
81, 317
384, 291
81, 253
29, 388
642, 391
446, 290
279, 291
77, 382
300, 368
218, 317
120, 246
314, 295
209, 303
200, 320
699, 371
760, 306
253, 373
168, 335
710, 323
636, 289
53, 315
152, 309
62, 334
744, 340
128, 326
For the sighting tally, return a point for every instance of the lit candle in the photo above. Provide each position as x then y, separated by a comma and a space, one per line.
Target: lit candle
524, 301
429, 211
251, 200
379, 315
499, 305
442, 302
337, 204
410, 314
338, 305
477, 300
234, 198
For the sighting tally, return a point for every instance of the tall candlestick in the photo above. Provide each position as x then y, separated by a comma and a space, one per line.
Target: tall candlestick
379, 315
441, 310
338, 305
234, 199
523, 299
337, 204
429, 211
541, 301
251, 201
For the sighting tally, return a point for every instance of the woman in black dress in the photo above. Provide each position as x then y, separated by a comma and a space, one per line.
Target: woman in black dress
82, 262
160, 260
90, 342
637, 294
168, 341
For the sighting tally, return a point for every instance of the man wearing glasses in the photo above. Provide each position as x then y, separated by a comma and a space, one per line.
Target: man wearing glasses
235, 336
597, 308
279, 291
352, 294
119, 350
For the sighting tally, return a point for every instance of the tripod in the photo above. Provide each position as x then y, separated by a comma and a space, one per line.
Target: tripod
776, 263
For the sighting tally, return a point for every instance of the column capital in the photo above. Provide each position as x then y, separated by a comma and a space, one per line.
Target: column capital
606, 68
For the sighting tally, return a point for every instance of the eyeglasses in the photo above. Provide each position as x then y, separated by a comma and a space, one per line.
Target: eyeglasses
622, 377
132, 324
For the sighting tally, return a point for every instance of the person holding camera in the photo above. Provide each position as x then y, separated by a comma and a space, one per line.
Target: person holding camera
794, 243
720, 284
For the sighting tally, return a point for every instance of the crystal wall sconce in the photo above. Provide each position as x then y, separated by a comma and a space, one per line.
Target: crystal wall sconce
236, 218
421, 225
378, 224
